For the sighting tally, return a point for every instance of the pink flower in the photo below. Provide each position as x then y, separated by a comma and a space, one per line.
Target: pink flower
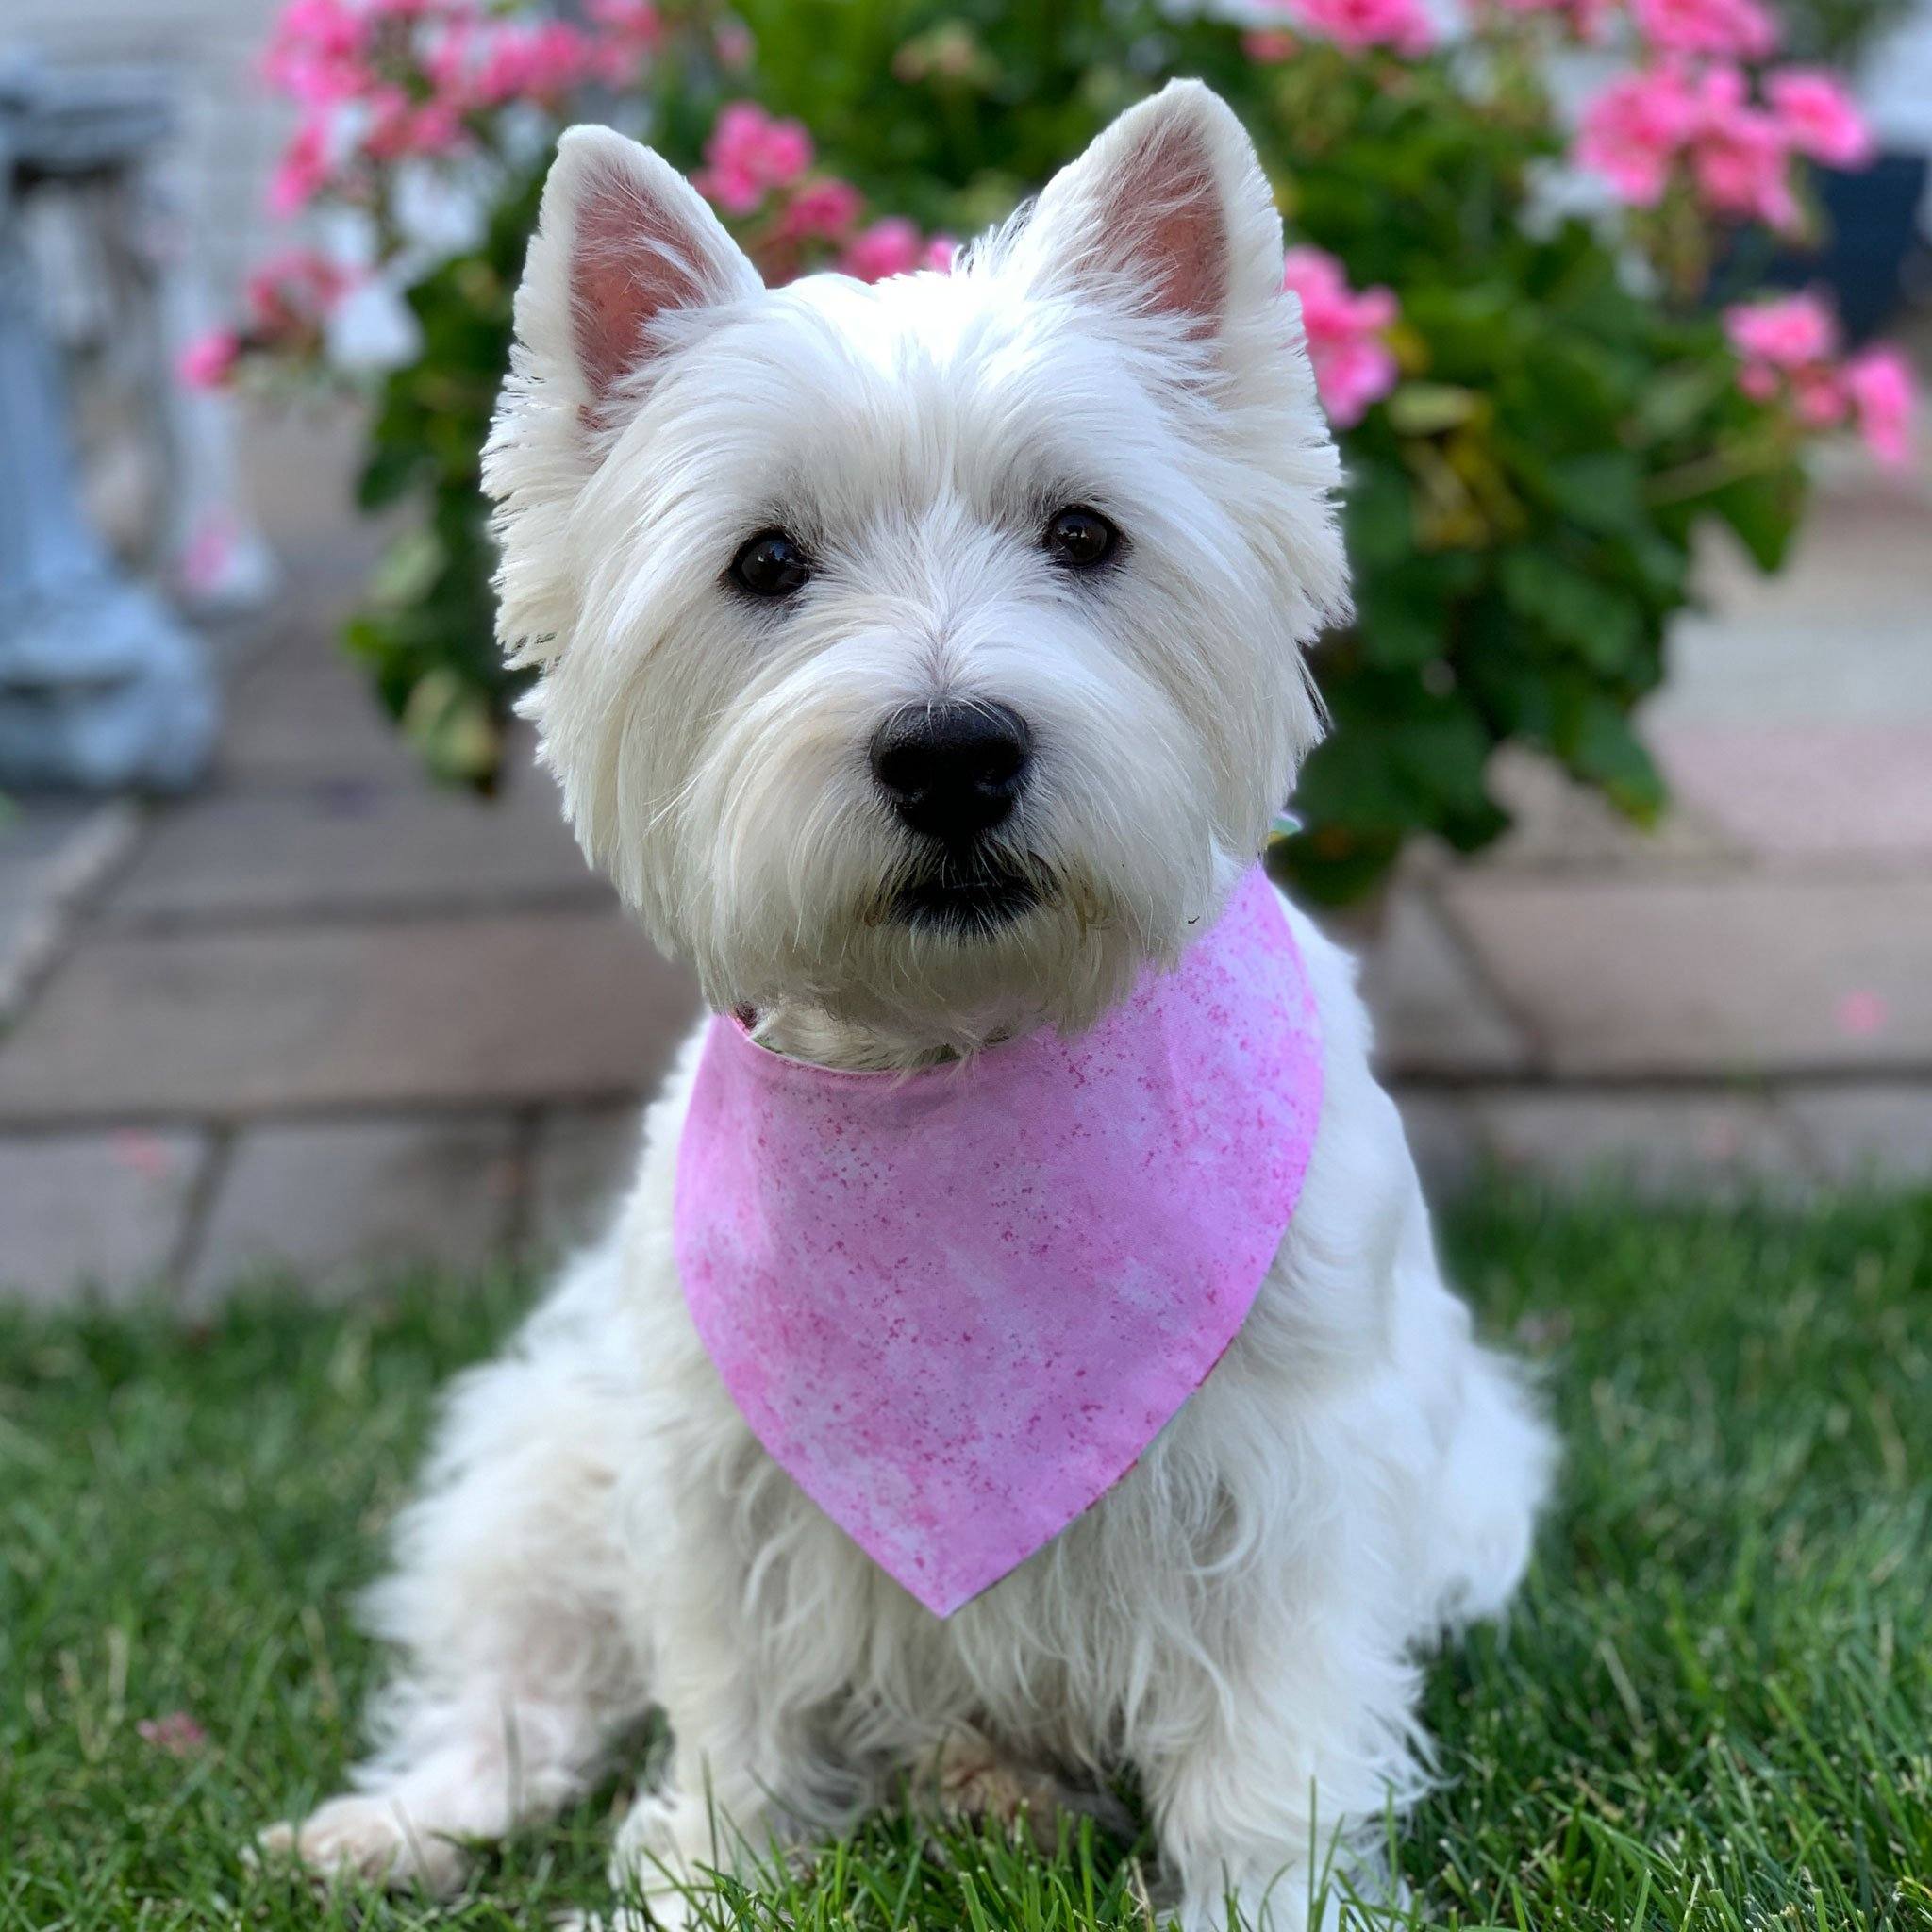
749, 154
891, 247
1818, 117
209, 359
1632, 133
1357, 24
1586, 18
824, 208
537, 61
1786, 332
1881, 389
1642, 128
1268, 45
940, 252
303, 169
1740, 157
294, 290
316, 53
178, 1734
1733, 29
734, 43
1353, 366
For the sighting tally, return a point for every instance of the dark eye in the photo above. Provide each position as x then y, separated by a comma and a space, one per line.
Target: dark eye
772, 564
1080, 537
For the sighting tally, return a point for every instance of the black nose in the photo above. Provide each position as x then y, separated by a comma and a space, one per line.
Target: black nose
952, 772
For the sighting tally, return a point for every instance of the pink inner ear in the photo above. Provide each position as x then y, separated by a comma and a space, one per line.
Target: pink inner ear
1168, 222
630, 261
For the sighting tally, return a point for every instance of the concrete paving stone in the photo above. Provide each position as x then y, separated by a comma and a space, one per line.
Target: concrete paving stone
1817, 791
1728, 975
1866, 1130
1432, 1013
536, 1009
1838, 636
1561, 825
584, 1159
1445, 1138
355, 845
53, 851
303, 714
1659, 1143
337, 1203
97, 1213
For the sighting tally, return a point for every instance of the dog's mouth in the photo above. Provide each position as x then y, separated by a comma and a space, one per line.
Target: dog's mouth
966, 899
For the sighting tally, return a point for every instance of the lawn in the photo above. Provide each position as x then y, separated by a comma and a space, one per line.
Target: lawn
1712, 1709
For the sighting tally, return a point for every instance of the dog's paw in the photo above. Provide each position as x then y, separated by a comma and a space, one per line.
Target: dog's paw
368, 1838
969, 1780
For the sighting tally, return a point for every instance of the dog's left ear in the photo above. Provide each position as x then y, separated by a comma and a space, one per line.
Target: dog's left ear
1168, 211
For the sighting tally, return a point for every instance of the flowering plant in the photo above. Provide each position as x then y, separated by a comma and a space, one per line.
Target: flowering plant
1509, 317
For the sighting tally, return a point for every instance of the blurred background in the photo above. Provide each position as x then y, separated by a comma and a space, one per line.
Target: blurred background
1617, 305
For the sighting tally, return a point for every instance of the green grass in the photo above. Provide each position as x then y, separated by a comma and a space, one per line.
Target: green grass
1713, 1708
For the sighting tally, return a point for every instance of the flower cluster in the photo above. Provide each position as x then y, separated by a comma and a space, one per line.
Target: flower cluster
1675, 122
381, 81
1403, 26
760, 170
1789, 356
1346, 332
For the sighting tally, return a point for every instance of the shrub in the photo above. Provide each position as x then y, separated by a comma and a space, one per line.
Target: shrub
1510, 321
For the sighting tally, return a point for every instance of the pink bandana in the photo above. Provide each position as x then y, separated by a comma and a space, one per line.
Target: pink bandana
956, 1305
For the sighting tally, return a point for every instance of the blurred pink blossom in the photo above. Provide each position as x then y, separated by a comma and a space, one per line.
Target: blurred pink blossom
1818, 117
209, 359
1632, 133
1644, 126
1881, 389
294, 289
1402, 24
1785, 331
1741, 156
303, 169
178, 1734
315, 53
824, 208
890, 247
1733, 29
539, 60
734, 43
1352, 365
940, 252
749, 154
1586, 18
1268, 45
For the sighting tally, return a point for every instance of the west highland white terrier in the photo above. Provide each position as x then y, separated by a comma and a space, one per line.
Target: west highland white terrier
1024, 1326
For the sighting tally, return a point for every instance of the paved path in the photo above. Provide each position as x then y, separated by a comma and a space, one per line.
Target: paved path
324, 1018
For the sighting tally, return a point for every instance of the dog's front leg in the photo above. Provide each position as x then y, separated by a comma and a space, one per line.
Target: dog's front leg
749, 1771
1289, 1765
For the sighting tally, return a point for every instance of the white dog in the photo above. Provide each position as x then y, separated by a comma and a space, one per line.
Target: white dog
1071, 505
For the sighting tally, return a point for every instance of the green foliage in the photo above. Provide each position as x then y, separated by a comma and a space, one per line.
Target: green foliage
1708, 1711
1520, 511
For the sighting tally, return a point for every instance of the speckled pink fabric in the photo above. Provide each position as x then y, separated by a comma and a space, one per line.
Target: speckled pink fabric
957, 1306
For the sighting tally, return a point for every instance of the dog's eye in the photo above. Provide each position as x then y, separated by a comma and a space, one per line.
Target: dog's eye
1080, 537
772, 564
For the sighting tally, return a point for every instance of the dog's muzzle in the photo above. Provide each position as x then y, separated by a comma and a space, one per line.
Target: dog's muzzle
952, 775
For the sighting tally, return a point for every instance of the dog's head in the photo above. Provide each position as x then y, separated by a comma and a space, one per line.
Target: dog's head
926, 652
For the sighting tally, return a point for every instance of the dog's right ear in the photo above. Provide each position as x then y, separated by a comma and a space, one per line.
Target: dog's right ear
624, 243
626, 260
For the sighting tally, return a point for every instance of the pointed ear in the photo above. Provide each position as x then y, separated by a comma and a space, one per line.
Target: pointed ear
1168, 210
622, 240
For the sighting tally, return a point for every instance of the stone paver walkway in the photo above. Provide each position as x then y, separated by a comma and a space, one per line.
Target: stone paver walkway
324, 1018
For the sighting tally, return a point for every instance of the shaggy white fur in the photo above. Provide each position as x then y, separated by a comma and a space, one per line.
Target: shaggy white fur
598, 1533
